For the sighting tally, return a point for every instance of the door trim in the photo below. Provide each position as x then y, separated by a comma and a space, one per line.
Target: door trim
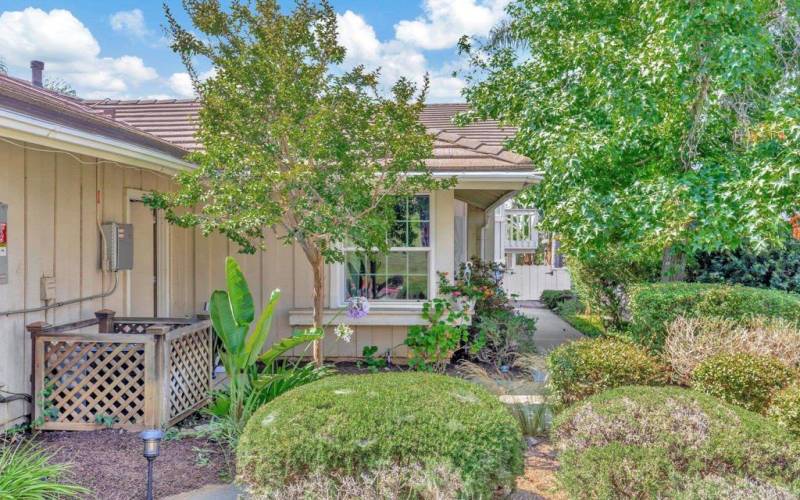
162, 257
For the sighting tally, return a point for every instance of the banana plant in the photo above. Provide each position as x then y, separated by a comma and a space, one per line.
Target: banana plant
232, 315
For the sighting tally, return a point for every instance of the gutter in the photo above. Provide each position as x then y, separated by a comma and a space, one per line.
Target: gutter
489, 175
26, 128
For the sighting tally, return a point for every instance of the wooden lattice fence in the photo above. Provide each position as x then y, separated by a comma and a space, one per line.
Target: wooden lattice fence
132, 373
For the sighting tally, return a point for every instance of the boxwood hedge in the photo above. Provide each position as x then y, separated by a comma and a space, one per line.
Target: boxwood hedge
652, 306
353, 425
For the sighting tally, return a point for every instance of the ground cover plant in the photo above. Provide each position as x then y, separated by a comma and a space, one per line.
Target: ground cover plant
653, 306
575, 313
585, 367
642, 442
354, 425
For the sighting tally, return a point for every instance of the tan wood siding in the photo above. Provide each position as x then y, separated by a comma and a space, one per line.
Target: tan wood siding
52, 229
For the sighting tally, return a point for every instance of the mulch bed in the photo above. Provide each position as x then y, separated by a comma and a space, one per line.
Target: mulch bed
110, 463
539, 479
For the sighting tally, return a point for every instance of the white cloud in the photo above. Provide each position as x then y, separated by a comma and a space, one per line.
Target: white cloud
446, 88
445, 21
395, 58
56, 37
130, 22
181, 83
357, 36
69, 51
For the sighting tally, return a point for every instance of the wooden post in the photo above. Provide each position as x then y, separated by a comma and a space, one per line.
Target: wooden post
155, 413
37, 365
106, 319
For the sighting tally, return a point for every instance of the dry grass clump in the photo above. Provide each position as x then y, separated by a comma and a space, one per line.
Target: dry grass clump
533, 419
690, 341
411, 481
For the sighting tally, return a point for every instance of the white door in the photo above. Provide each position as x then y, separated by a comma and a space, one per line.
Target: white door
527, 280
143, 275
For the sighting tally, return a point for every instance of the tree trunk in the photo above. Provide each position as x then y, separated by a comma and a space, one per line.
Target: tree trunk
318, 266
673, 265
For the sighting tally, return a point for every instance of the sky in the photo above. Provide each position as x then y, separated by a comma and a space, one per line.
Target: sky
118, 48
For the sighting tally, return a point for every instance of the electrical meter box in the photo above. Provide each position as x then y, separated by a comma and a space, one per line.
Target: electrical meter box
3, 244
118, 248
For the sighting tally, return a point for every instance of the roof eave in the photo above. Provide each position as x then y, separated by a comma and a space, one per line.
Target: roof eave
492, 176
26, 128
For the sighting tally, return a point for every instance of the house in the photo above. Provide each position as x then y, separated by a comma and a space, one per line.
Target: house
69, 167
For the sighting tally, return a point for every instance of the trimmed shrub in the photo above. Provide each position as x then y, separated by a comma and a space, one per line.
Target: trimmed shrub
653, 306
351, 426
553, 298
785, 408
630, 442
733, 488
743, 379
585, 367
690, 341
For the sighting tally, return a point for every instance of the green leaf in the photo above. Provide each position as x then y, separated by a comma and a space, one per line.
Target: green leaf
263, 326
231, 334
279, 348
239, 293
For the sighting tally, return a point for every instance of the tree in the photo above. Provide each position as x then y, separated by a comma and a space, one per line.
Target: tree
293, 144
665, 127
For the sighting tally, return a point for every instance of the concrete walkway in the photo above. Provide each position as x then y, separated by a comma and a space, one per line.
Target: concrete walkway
551, 330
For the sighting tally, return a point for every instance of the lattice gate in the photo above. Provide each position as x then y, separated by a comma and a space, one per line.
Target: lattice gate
153, 375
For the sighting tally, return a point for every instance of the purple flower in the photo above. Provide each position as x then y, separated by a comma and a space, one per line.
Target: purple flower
357, 307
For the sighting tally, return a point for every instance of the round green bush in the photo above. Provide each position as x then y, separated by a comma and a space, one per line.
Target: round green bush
585, 367
352, 426
653, 306
743, 379
632, 442
785, 408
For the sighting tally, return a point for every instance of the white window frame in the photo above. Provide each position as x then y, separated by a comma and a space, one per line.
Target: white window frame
338, 291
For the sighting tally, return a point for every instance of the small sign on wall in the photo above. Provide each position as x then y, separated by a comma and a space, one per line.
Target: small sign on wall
3, 244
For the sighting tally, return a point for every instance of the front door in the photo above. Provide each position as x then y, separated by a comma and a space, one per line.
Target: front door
143, 276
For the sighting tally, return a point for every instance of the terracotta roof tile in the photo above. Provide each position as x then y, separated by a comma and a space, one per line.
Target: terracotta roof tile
476, 147
22, 97
169, 126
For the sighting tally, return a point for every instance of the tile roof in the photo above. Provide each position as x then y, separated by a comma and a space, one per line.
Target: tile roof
476, 147
169, 126
21, 97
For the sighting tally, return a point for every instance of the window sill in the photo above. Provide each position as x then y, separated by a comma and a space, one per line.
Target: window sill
385, 315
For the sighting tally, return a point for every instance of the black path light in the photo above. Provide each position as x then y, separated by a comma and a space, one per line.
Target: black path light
152, 447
